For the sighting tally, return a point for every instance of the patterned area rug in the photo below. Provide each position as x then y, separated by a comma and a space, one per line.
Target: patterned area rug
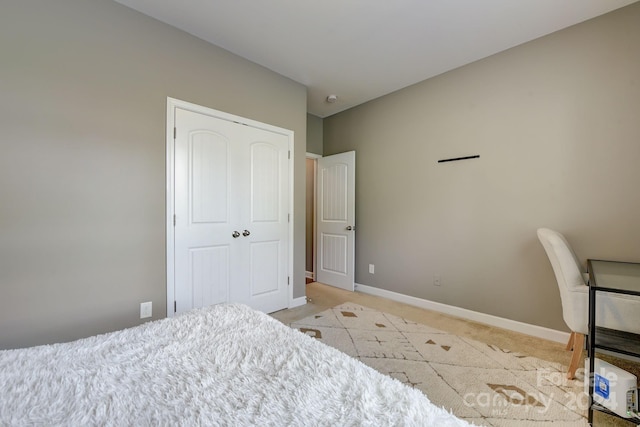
478, 382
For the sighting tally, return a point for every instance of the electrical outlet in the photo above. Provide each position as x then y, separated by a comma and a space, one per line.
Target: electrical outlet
437, 280
372, 268
145, 309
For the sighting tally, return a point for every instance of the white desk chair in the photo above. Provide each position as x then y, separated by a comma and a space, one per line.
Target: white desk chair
613, 311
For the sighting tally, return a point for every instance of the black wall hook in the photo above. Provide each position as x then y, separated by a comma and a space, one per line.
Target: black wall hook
454, 159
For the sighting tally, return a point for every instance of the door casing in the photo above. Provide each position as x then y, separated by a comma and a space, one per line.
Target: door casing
314, 157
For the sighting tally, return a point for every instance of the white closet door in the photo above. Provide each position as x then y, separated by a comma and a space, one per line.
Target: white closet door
231, 231
264, 227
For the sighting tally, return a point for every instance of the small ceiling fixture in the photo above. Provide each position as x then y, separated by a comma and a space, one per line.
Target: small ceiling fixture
332, 98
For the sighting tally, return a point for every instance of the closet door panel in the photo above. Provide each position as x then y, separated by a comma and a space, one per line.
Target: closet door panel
231, 231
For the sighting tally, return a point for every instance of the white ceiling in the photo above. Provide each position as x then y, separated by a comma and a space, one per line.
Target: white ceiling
363, 49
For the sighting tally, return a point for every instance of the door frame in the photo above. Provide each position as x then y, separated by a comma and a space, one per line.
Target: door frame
314, 157
172, 104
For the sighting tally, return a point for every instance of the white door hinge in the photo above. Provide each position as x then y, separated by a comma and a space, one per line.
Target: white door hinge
175, 132
174, 220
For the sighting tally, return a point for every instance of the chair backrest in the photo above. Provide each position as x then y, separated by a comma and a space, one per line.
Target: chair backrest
570, 277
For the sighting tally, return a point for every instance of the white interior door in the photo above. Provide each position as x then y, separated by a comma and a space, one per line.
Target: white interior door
231, 214
263, 221
335, 221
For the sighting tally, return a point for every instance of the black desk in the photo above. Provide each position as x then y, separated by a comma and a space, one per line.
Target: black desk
612, 277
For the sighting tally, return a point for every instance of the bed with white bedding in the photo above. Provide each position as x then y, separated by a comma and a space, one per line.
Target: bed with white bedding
221, 365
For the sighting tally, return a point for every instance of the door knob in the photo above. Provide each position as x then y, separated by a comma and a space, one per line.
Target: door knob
235, 234
245, 233
349, 228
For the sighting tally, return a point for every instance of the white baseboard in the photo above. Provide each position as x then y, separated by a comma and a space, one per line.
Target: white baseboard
512, 325
309, 274
297, 302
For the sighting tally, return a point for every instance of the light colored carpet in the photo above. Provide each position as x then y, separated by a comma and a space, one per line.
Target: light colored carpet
481, 383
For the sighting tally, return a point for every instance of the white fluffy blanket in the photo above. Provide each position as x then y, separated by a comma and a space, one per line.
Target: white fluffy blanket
222, 365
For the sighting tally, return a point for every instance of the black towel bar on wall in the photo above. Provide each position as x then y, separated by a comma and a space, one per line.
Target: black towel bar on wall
459, 158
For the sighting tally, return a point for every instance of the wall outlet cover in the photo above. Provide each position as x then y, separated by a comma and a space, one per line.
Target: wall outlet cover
146, 309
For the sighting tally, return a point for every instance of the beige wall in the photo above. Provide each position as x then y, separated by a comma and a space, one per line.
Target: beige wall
556, 123
314, 134
82, 171
314, 146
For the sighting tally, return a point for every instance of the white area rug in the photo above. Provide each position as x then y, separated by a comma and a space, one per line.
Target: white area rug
480, 383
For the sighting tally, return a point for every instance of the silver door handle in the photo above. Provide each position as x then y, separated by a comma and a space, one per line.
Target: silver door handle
245, 233
235, 234
349, 228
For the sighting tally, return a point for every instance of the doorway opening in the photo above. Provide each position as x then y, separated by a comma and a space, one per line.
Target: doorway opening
310, 224
330, 219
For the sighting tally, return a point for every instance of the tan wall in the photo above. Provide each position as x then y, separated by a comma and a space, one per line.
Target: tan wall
82, 164
556, 123
314, 134
314, 146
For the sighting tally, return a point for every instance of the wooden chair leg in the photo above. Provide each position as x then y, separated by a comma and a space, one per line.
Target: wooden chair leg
570, 343
576, 357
